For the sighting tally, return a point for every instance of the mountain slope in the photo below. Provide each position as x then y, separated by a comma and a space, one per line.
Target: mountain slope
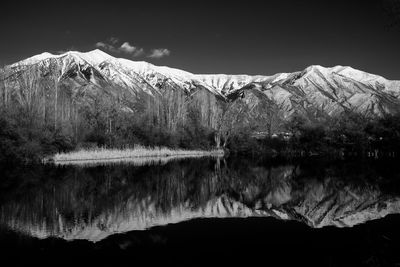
334, 90
58, 87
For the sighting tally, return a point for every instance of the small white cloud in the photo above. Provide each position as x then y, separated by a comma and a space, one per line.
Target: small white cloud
106, 46
100, 45
159, 53
127, 48
138, 52
130, 49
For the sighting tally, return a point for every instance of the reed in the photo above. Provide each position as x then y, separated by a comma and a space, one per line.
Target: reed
137, 152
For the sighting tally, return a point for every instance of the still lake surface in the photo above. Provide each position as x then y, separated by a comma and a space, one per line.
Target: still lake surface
202, 211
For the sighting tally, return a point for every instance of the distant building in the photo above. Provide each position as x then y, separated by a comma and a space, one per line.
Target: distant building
280, 135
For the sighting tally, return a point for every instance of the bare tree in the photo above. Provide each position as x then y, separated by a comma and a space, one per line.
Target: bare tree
229, 120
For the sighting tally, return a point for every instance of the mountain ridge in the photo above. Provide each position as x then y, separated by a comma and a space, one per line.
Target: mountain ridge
46, 55
61, 88
225, 84
97, 56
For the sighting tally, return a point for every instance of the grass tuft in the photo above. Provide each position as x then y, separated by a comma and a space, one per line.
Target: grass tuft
137, 153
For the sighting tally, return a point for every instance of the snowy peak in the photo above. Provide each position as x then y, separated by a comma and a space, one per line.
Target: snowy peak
316, 89
228, 83
343, 72
220, 83
95, 57
34, 59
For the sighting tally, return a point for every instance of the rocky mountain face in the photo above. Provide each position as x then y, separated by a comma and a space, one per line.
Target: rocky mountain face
55, 89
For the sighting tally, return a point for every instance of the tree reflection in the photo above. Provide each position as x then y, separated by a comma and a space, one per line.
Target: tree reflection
95, 202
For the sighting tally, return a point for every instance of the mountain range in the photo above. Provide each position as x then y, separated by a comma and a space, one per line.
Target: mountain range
58, 87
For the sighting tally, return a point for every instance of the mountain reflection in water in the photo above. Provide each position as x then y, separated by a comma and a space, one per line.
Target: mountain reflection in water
93, 203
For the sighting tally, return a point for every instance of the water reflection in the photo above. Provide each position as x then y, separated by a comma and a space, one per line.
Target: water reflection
94, 202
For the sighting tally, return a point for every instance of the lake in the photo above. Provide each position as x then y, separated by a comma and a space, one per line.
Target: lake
233, 211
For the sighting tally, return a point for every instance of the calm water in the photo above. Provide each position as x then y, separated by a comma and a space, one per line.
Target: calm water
186, 212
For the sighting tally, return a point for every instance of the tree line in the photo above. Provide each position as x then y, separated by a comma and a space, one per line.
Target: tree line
39, 117
347, 135
23, 138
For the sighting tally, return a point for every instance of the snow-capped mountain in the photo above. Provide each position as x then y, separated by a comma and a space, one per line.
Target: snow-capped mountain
338, 87
122, 72
59, 85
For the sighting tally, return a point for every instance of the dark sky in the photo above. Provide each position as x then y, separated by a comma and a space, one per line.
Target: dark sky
251, 37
